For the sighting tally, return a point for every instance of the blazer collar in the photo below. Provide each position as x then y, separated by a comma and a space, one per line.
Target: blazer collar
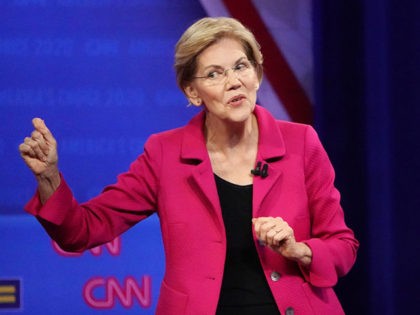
270, 142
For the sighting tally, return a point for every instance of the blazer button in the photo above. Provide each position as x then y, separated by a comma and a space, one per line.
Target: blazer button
275, 276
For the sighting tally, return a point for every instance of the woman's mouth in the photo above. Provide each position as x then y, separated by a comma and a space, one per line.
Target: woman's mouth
236, 100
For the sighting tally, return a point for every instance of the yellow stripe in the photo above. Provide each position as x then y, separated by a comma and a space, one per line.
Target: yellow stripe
7, 289
7, 299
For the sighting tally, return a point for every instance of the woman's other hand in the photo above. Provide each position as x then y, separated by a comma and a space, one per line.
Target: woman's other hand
278, 235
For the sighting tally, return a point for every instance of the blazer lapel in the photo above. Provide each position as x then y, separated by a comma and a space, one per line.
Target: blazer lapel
262, 187
271, 149
204, 183
194, 152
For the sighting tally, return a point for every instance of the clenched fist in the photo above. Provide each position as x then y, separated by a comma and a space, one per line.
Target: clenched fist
39, 151
279, 236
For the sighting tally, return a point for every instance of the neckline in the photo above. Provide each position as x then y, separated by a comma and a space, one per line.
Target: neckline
220, 179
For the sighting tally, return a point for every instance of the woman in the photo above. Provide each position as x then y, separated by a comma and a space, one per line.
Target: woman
268, 241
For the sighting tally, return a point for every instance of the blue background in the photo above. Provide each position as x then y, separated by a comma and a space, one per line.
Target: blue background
100, 74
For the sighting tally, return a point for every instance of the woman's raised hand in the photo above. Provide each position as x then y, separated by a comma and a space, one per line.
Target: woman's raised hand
39, 151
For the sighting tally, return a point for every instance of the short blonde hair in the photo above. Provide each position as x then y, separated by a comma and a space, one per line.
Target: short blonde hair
206, 32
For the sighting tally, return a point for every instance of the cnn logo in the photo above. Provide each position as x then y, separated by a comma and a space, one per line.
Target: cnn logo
112, 290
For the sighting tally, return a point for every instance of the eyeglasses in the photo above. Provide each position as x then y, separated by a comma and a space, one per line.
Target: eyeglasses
218, 75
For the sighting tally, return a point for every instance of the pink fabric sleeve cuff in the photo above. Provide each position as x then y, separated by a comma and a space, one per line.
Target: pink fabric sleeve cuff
57, 206
321, 272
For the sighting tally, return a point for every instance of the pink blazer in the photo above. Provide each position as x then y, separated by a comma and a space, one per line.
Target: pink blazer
174, 178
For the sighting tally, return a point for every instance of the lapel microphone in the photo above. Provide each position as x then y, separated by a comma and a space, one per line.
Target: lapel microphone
260, 171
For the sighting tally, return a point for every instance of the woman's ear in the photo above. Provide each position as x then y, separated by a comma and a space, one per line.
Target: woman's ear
192, 95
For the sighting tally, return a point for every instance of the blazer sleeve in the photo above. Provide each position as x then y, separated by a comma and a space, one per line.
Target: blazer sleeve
333, 244
77, 227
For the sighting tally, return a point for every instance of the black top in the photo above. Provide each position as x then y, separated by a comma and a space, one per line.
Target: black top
244, 287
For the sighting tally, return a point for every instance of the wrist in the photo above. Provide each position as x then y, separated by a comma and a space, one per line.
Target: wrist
48, 182
302, 254
51, 176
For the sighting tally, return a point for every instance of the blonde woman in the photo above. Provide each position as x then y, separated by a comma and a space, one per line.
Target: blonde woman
251, 221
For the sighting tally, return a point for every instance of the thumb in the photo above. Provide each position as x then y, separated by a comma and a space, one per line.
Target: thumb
38, 123
40, 126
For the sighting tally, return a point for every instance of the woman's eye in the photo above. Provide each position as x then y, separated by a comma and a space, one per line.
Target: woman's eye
213, 75
240, 66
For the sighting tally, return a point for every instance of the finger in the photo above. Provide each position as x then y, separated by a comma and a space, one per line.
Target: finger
40, 125
38, 137
280, 237
266, 230
270, 236
259, 221
25, 150
272, 227
277, 232
267, 225
264, 220
284, 235
260, 227
37, 152
279, 220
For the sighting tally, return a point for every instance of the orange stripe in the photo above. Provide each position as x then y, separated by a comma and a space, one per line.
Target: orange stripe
7, 299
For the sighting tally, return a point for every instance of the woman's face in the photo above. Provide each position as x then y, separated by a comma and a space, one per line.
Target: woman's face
226, 82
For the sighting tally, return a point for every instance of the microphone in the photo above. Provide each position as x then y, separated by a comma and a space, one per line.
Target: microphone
258, 171
264, 171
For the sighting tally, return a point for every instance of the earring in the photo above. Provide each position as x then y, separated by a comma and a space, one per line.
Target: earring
196, 102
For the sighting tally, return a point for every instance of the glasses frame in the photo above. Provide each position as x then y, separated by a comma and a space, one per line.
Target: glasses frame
224, 73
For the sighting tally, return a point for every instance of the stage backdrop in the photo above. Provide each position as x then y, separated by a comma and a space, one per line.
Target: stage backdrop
100, 74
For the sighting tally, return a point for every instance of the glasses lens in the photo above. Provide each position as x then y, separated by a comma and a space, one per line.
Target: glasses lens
240, 70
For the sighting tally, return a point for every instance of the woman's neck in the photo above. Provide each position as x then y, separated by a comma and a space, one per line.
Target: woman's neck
233, 149
224, 136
